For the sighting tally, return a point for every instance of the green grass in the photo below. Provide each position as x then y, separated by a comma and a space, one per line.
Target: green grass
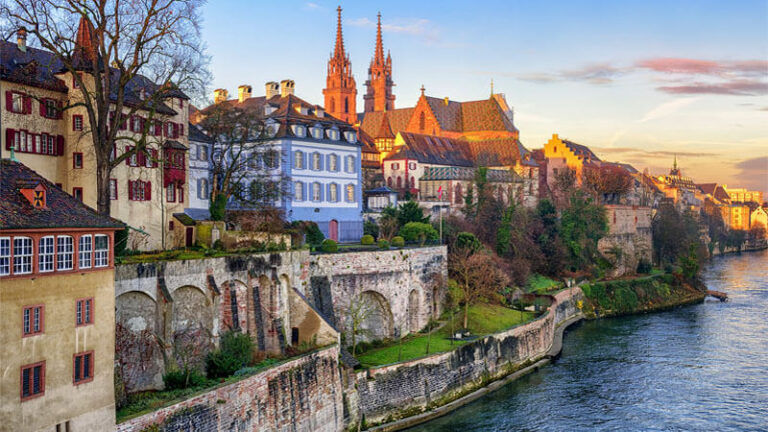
541, 284
483, 319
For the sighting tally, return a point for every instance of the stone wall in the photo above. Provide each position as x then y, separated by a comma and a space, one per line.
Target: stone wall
301, 395
391, 392
401, 285
629, 238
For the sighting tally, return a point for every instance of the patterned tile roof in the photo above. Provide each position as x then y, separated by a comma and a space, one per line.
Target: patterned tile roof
498, 152
61, 211
447, 113
433, 150
581, 150
466, 173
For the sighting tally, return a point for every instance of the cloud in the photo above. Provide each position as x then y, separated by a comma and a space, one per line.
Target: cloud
312, 6
597, 73
421, 27
635, 152
757, 68
734, 87
753, 172
667, 108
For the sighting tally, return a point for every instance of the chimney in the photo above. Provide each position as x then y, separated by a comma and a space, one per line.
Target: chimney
286, 87
21, 39
272, 89
445, 101
243, 92
220, 95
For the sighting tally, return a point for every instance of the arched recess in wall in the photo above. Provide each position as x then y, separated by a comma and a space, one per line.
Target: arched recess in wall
234, 306
135, 310
138, 358
413, 311
191, 310
377, 322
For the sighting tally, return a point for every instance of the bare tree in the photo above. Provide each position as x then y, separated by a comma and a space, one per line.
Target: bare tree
477, 273
126, 58
190, 345
607, 183
357, 312
245, 165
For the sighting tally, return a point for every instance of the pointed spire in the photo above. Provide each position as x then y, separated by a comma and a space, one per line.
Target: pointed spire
338, 50
379, 56
422, 89
491, 87
674, 164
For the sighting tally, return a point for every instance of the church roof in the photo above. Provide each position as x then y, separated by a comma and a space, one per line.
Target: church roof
433, 150
468, 173
498, 152
61, 209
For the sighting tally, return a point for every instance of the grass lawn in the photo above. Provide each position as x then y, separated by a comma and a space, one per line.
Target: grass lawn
483, 319
542, 284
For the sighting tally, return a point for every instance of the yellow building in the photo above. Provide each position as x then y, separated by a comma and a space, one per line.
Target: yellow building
739, 219
145, 191
57, 333
743, 195
562, 154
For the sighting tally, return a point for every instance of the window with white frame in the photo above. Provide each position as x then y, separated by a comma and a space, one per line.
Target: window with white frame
202, 152
298, 193
45, 252
202, 188
333, 194
18, 102
316, 161
350, 168
333, 163
315, 191
101, 250
5, 256
170, 193
84, 251
65, 248
350, 193
22, 255
298, 159
113, 189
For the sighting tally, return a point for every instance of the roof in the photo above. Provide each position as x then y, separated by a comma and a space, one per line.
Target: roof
433, 150
197, 214
581, 150
382, 190
498, 152
465, 173
196, 134
174, 145
714, 190
625, 166
61, 211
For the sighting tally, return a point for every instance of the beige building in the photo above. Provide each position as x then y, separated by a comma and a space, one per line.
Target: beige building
145, 191
57, 335
743, 195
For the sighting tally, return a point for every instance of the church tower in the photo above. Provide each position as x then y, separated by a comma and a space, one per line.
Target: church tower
378, 96
340, 89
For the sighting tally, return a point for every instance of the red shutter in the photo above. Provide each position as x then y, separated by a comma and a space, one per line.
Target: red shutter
158, 129
73, 122
59, 113
181, 129
142, 124
9, 136
154, 158
27, 105
148, 191
176, 130
60, 145
130, 190
31, 137
141, 159
8, 100
42, 107
128, 159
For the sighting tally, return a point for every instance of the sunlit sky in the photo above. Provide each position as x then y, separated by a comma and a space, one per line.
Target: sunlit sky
636, 81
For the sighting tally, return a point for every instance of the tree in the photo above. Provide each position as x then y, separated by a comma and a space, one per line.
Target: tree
357, 311
410, 211
607, 183
564, 186
673, 233
125, 57
244, 163
477, 273
190, 346
757, 232
582, 224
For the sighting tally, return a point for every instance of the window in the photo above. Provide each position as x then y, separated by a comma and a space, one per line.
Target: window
5, 256
350, 193
77, 122
32, 380
346, 105
82, 368
350, 168
113, 189
170, 193
51, 109
85, 248
77, 193
45, 254
136, 122
395, 166
333, 162
170, 225
139, 190
64, 252
333, 195
412, 165
202, 152
315, 191
271, 160
22, 255
298, 192
202, 188
298, 160
84, 311
77, 160
33, 322
181, 194
316, 161
101, 250
15, 102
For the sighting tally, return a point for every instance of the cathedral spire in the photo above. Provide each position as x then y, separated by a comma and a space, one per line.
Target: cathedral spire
378, 96
379, 56
338, 50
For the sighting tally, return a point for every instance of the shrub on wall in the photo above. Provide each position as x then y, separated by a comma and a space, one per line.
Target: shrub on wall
366, 240
121, 242
180, 379
329, 246
418, 231
398, 241
235, 351
383, 244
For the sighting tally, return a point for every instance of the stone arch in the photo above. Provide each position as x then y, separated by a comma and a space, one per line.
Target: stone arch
136, 310
138, 358
413, 311
234, 306
378, 322
191, 309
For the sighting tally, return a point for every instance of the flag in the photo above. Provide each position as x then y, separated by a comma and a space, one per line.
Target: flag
440, 192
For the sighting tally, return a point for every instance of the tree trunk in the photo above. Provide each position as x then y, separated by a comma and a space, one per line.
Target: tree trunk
102, 180
466, 313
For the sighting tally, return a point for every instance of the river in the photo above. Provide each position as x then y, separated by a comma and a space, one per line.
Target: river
702, 367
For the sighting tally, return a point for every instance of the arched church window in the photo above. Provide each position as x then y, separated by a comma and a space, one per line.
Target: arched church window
346, 105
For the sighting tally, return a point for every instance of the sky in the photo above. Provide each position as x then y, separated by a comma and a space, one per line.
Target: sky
636, 81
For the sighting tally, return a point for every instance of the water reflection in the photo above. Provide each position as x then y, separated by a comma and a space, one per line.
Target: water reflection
701, 367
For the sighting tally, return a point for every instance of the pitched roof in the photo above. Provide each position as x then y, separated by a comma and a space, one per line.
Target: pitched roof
196, 134
497, 152
433, 150
466, 173
61, 211
625, 166
714, 190
485, 115
581, 150
447, 113
385, 124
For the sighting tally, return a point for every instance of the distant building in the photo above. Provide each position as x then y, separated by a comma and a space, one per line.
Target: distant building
450, 186
200, 164
564, 154
759, 217
57, 334
744, 195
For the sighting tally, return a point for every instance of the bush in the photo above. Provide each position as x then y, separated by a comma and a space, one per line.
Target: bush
235, 352
398, 241
121, 242
367, 240
181, 379
218, 207
467, 240
371, 228
418, 231
329, 246
313, 235
644, 266
383, 244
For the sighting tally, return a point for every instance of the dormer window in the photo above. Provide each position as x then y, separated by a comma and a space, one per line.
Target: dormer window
299, 130
317, 132
350, 136
269, 109
333, 134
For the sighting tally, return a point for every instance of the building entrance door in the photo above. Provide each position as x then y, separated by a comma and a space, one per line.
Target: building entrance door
333, 230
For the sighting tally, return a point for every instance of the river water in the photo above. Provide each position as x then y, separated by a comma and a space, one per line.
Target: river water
696, 368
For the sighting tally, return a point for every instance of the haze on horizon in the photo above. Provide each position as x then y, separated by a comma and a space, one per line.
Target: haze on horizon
637, 82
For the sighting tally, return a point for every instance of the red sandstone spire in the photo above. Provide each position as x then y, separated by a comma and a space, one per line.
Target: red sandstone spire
378, 96
340, 88
338, 50
379, 55
85, 44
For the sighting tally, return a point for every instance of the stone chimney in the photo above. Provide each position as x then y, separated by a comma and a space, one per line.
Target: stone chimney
220, 95
21, 39
286, 87
243, 92
271, 89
